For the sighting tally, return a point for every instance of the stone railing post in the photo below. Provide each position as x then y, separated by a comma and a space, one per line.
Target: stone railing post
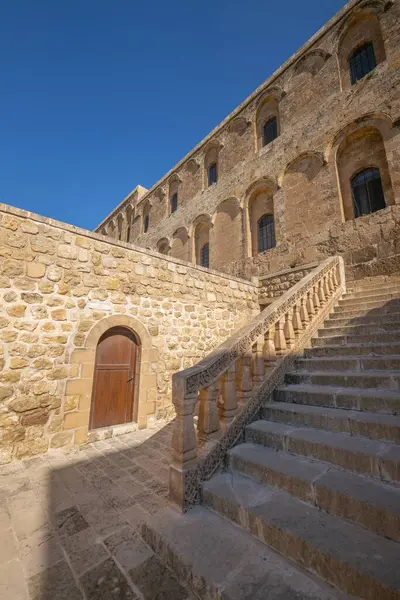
304, 313
228, 408
288, 329
280, 340
321, 294
208, 411
315, 297
297, 324
244, 379
258, 361
310, 304
269, 346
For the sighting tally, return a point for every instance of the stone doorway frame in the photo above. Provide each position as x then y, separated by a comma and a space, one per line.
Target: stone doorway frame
78, 392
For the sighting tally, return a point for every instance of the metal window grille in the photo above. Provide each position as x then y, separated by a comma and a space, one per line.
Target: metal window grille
270, 131
205, 256
212, 174
367, 192
146, 223
362, 61
174, 202
266, 233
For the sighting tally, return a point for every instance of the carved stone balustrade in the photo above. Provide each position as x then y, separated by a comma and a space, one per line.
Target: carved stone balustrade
231, 383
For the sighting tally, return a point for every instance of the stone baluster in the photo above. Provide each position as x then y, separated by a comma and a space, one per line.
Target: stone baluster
280, 340
288, 329
297, 324
310, 304
321, 293
244, 379
228, 407
269, 347
331, 282
326, 287
315, 297
335, 277
208, 412
258, 361
304, 313
184, 443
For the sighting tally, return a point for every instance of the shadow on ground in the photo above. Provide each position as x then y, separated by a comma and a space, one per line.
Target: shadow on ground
74, 517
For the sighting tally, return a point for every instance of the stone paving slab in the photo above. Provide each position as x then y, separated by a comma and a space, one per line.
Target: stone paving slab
69, 521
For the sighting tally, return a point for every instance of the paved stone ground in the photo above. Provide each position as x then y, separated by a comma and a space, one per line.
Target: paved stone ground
68, 522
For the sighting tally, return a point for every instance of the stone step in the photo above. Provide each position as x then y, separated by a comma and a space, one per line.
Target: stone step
367, 457
364, 320
350, 363
358, 561
367, 304
339, 313
385, 337
219, 560
370, 425
353, 350
369, 284
367, 295
360, 499
359, 329
370, 288
378, 380
378, 401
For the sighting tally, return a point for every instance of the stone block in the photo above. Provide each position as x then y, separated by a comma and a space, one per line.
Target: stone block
35, 270
76, 419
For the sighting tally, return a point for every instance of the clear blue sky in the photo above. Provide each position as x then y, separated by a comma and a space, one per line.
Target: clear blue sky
98, 96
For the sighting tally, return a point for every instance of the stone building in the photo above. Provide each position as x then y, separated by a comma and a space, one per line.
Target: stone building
306, 167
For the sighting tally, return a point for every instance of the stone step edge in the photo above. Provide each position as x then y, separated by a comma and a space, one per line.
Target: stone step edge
350, 452
283, 514
364, 424
272, 470
170, 535
311, 388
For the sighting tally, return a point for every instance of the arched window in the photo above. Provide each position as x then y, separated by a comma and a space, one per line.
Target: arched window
266, 233
361, 62
212, 173
367, 192
270, 131
146, 223
205, 256
174, 202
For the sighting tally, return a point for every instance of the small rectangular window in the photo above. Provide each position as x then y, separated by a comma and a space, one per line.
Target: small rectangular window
205, 256
212, 174
362, 61
146, 223
174, 203
270, 131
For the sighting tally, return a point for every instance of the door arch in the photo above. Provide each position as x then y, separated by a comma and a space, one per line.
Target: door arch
115, 382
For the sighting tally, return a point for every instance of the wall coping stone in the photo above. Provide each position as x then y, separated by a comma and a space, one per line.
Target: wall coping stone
287, 271
24, 214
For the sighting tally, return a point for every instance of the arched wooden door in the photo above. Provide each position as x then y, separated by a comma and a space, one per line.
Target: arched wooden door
114, 382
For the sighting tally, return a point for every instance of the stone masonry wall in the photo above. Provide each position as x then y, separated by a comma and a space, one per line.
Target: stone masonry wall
60, 289
273, 286
328, 130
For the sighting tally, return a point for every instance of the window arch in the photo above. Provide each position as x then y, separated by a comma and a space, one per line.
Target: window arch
270, 131
205, 255
267, 121
211, 165
146, 217
361, 62
173, 193
367, 192
266, 233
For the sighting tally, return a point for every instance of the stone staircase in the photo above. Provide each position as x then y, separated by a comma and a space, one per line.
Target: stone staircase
316, 478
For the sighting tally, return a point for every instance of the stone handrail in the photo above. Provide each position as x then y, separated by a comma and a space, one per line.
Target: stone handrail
229, 386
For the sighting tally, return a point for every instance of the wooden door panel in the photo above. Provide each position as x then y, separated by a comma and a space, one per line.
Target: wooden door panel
111, 389
114, 379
